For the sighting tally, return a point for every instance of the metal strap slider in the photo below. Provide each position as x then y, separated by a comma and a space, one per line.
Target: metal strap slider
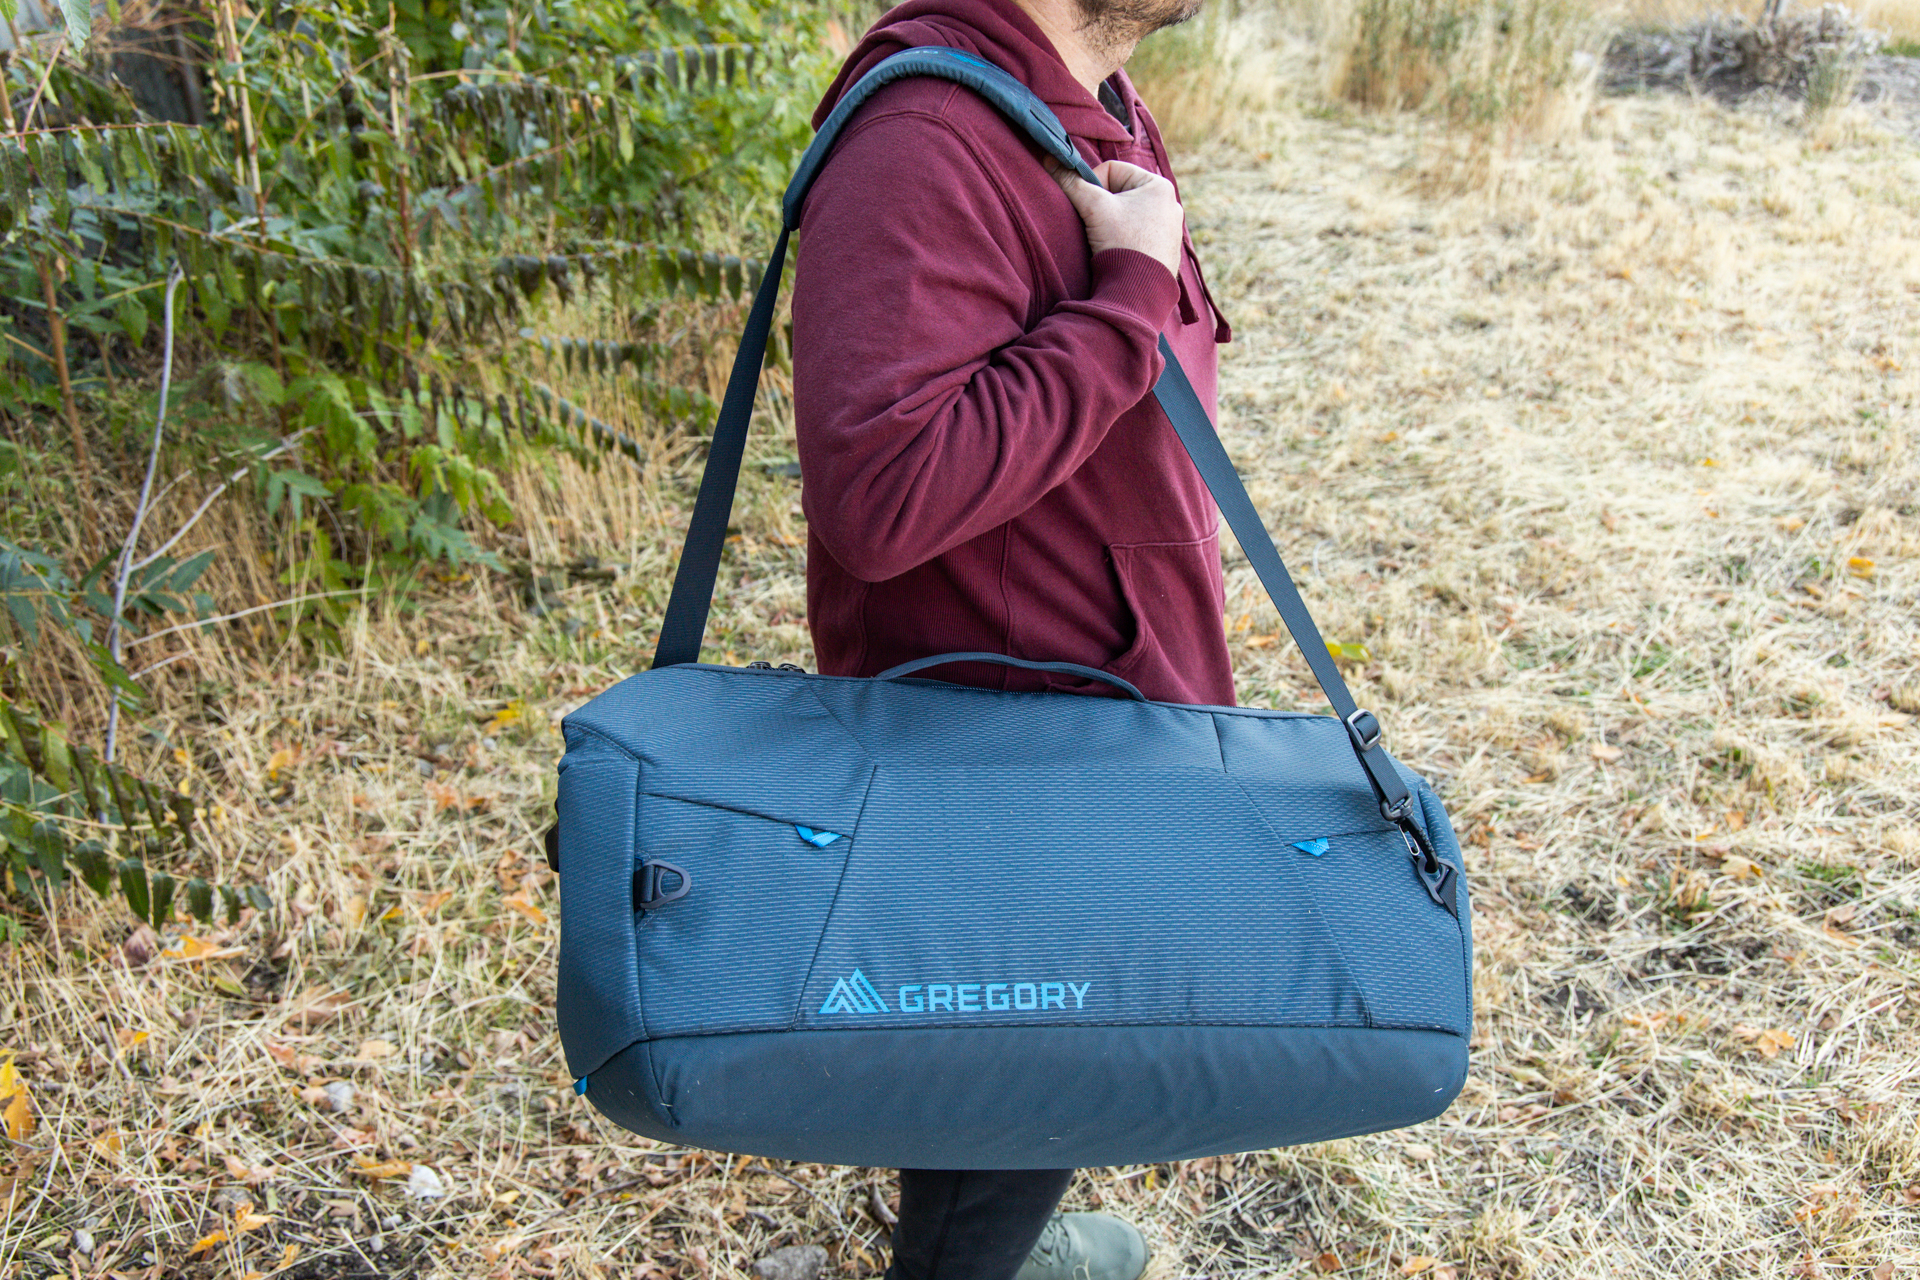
1363, 728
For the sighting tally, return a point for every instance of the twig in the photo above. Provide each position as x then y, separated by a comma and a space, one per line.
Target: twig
125, 571
242, 613
53, 58
27, 346
146, 671
57, 339
207, 501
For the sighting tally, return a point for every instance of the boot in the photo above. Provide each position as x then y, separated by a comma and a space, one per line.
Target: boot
1086, 1246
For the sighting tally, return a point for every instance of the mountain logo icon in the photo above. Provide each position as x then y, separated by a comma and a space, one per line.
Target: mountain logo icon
854, 994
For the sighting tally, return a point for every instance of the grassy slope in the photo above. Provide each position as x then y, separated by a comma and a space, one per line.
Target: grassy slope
1584, 463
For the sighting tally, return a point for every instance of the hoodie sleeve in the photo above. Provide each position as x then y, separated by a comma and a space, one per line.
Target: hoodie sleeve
927, 411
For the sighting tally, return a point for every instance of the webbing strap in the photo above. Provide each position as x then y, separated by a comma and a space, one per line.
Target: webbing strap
686, 620
1189, 418
692, 598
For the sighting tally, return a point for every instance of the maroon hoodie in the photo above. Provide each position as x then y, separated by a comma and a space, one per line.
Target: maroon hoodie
985, 467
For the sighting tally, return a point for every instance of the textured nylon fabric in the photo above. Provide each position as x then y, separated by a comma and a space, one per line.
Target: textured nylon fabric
1040, 860
979, 1098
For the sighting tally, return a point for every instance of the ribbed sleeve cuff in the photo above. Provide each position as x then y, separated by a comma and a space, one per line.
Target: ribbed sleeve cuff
1134, 282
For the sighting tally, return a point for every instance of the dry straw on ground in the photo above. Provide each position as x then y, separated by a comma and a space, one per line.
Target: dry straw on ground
1612, 467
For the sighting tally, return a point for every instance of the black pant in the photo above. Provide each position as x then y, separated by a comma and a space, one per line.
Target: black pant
971, 1224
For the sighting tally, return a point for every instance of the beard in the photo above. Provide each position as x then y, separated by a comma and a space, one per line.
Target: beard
1119, 25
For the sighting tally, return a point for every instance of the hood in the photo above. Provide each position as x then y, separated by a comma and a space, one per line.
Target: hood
998, 31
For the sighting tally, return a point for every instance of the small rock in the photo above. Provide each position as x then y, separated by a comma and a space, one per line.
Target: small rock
425, 768
795, 1262
425, 1184
83, 1242
376, 1243
339, 1095
391, 1222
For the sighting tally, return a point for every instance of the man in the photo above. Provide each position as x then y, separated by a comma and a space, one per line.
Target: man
985, 467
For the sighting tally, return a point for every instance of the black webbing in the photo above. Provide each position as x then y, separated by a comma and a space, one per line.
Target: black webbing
1189, 419
686, 621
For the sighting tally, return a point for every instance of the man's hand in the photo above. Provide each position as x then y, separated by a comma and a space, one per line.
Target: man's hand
1138, 210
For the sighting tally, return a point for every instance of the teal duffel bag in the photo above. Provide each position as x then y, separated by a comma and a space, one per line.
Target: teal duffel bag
896, 922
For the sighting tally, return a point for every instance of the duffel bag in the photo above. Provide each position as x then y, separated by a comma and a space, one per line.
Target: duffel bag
899, 922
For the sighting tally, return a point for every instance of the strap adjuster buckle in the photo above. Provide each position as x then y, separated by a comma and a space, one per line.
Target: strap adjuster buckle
1364, 728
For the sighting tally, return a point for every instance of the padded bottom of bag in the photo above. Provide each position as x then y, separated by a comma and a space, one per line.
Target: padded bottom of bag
1062, 1097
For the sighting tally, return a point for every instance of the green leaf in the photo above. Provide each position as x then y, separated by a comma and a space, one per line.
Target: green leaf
133, 886
162, 900
200, 900
49, 849
90, 860
79, 16
231, 901
133, 319
57, 757
266, 384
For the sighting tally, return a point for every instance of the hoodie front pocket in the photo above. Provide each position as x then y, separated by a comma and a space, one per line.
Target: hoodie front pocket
1179, 581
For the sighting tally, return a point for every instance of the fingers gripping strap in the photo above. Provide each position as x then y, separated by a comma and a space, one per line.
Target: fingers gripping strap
1189, 419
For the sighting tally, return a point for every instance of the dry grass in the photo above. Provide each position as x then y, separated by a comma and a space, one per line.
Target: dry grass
1898, 19
1611, 463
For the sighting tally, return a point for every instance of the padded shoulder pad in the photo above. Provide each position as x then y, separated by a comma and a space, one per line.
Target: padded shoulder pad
1022, 108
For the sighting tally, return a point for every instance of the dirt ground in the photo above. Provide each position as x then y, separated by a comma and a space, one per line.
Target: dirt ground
1604, 448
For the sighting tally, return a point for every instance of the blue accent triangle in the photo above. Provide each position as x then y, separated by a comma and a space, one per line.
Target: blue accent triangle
818, 839
1314, 847
580, 1086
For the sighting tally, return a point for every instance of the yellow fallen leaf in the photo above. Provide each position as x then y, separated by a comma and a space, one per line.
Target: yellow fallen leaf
353, 913
287, 1255
1417, 1263
367, 1167
280, 760
207, 1241
1860, 566
391, 913
513, 713
109, 1145
374, 1050
188, 948
18, 1117
1769, 1041
245, 1219
1260, 642
1606, 752
1739, 868
9, 1079
1792, 524
518, 902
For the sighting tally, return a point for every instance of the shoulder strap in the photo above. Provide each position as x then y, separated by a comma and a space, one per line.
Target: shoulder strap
686, 620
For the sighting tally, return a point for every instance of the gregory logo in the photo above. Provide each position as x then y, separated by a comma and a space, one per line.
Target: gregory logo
854, 995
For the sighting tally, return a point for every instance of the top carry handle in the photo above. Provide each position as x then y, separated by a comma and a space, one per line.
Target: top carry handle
686, 620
